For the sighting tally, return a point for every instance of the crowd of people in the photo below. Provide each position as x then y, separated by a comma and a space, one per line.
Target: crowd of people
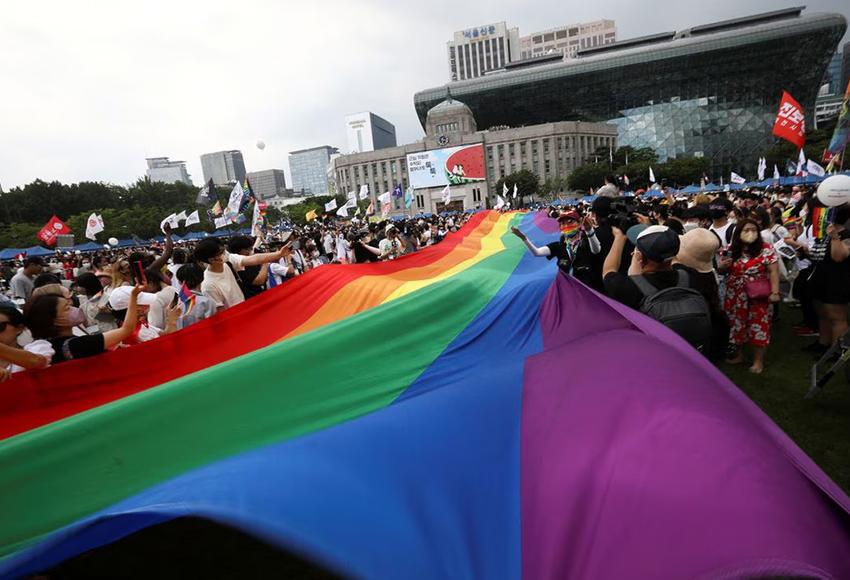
78, 305
714, 268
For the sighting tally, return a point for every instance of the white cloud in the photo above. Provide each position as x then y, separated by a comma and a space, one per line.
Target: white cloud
92, 88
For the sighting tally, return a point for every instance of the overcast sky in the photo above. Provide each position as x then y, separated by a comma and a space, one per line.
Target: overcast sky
89, 89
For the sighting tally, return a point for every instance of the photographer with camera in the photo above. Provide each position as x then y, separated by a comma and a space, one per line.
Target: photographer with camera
656, 289
566, 248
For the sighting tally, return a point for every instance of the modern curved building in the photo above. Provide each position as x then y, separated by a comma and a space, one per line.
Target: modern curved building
711, 90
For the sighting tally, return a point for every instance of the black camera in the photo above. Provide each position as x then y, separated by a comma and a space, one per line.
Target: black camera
622, 214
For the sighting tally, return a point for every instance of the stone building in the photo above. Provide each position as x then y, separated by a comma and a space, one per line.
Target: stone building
550, 150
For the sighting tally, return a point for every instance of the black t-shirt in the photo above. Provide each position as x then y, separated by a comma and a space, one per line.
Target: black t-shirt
563, 253
621, 288
71, 347
362, 255
246, 281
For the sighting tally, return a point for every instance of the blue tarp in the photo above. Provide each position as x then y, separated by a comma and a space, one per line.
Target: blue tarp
38, 251
195, 236
88, 247
10, 253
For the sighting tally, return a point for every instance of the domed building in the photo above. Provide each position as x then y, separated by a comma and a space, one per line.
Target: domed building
455, 153
450, 118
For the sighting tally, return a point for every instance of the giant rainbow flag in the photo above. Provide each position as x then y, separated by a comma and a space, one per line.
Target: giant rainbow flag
462, 412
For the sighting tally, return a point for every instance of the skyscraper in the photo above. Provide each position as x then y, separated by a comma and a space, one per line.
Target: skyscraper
474, 51
268, 183
162, 170
569, 39
309, 169
223, 167
368, 132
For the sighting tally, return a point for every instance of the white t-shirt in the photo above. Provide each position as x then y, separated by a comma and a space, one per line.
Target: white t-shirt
172, 269
393, 248
42, 347
222, 286
159, 309
721, 233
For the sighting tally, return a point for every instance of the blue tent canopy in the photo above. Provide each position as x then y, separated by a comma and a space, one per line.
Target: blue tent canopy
195, 236
10, 253
589, 198
88, 247
38, 251
690, 189
126, 243
221, 234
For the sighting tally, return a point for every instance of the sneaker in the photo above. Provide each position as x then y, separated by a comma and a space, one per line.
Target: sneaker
805, 331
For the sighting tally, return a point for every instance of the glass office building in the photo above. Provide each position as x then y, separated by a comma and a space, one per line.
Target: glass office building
711, 90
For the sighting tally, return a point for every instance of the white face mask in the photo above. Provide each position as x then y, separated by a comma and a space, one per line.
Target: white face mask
690, 226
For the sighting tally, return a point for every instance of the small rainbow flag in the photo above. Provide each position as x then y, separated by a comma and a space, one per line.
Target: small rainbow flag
216, 209
820, 221
187, 298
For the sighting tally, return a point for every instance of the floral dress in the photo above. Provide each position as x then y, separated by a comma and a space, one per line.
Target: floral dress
749, 319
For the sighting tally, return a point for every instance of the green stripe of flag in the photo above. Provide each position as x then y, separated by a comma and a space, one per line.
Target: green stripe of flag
65, 471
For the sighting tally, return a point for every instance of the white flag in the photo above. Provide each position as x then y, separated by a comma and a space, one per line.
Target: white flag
447, 195
352, 195
234, 203
514, 191
801, 164
505, 189
331, 205
351, 203
192, 219
651, 175
815, 169
181, 217
385, 197
93, 226
170, 220
762, 166
500, 203
364, 192
256, 220
626, 179
220, 222
735, 178
775, 172
343, 211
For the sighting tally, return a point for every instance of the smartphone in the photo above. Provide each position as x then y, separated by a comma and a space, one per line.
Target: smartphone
139, 277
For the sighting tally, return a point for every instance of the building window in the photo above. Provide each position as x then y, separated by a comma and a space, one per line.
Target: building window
357, 174
537, 39
545, 147
522, 148
549, 37
392, 167
546, 166
490, 153
467, 58
420, 201
573, 31
561, 34
383, 168
502, 50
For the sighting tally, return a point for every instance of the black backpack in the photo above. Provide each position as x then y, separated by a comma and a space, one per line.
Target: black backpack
680, 308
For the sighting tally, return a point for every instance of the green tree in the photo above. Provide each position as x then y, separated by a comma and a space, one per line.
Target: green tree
585, 177
526, 181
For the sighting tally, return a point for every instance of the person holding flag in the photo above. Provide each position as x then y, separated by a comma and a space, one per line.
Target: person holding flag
565, 250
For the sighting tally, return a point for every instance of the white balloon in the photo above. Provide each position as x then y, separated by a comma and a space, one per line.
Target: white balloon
107, 246
261, 145
834, 190
113, 241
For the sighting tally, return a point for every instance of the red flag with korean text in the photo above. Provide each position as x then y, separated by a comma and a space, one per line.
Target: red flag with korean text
790, 121
55, 227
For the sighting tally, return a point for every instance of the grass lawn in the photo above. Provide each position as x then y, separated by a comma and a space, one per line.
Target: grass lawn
821, 426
